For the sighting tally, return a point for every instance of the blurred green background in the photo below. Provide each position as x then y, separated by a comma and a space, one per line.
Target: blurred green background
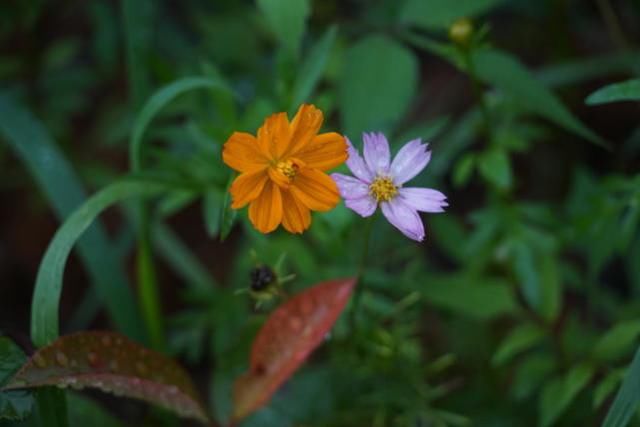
518, 309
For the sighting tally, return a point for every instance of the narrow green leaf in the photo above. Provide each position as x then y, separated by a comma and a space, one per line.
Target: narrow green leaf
228, 215
627, 399
559, 393
506, 73
520, 339
287, 19
623, 91
138, 29
211, 203
495, 167
379, 79
14, 404
158, 101
61, 186
44, 310
440, 14
606, 387
617, 341
112, 363
312, 68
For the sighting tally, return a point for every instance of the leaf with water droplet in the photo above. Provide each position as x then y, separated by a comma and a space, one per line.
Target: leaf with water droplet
283, 343
15, 404
114, 364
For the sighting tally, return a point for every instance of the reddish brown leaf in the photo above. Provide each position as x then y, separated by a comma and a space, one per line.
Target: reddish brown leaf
290, 334
112, 363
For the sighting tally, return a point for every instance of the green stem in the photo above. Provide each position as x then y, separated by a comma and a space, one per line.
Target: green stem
477, 90
368, 227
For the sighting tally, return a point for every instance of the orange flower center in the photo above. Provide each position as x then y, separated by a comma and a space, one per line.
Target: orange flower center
288, 169
383, 189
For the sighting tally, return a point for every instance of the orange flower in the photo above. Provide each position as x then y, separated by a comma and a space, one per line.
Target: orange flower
282, 170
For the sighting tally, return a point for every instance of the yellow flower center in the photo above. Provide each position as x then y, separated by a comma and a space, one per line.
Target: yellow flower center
288, 169
383, 189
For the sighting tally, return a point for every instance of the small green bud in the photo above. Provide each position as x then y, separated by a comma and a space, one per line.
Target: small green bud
461, 31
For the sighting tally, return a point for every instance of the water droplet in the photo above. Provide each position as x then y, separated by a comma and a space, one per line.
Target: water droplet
142, 368
94, 359
106, 340
62, 359
39, 361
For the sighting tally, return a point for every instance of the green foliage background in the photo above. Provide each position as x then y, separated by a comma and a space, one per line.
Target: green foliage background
519, 308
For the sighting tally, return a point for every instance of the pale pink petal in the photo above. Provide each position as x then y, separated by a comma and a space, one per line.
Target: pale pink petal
423, 199
357, 165
409, 162
350, 187
376, 153
404, 218
365, 206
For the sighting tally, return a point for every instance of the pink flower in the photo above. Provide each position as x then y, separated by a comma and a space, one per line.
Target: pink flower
378, 181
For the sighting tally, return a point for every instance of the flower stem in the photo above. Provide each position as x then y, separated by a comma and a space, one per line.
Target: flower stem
368, 227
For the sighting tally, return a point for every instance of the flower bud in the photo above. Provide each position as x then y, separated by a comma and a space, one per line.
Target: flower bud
460, 31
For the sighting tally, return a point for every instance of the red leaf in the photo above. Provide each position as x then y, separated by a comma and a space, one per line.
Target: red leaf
112, 363
290, 334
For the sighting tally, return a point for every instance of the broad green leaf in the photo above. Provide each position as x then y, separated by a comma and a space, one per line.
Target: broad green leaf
112, 363
624, 91
606, 387
440, 14
378, 81
558, 394
531, 373
495, 167
156, 103
627, 399
618, 341
506, 73
520, 339
287, 20
44, 309
482, 298
14, 404
62, 188
312, 68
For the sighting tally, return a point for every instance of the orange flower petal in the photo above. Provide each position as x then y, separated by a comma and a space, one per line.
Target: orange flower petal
274, 135
265, 212
304, 127
315, 190
242, 153
247, 187
326, 151
296, 217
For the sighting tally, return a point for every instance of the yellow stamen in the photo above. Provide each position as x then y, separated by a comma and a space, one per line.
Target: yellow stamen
288, 169
383, 189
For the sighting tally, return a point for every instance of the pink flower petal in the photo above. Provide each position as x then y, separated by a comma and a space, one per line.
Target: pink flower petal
409, 162
423, 199
350, 187
404, 218
376, 153
363, 206
357, 165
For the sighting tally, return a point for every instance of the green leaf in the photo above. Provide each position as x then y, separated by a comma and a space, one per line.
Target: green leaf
440, 14
211, 211
378, 81
463, 169
495, 167
425, 131
606, 387
627, 399
228, 215
558, 394
506, 73
520, 339
287, 20
623, 91
112, 363
156, 103
84, 412
44, 309
138, 32
551, 287
481, 298
312, 68
14, 404
62, 188
618, 341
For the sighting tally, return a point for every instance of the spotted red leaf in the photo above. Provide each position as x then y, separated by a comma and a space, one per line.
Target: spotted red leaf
290, 334
112, 363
